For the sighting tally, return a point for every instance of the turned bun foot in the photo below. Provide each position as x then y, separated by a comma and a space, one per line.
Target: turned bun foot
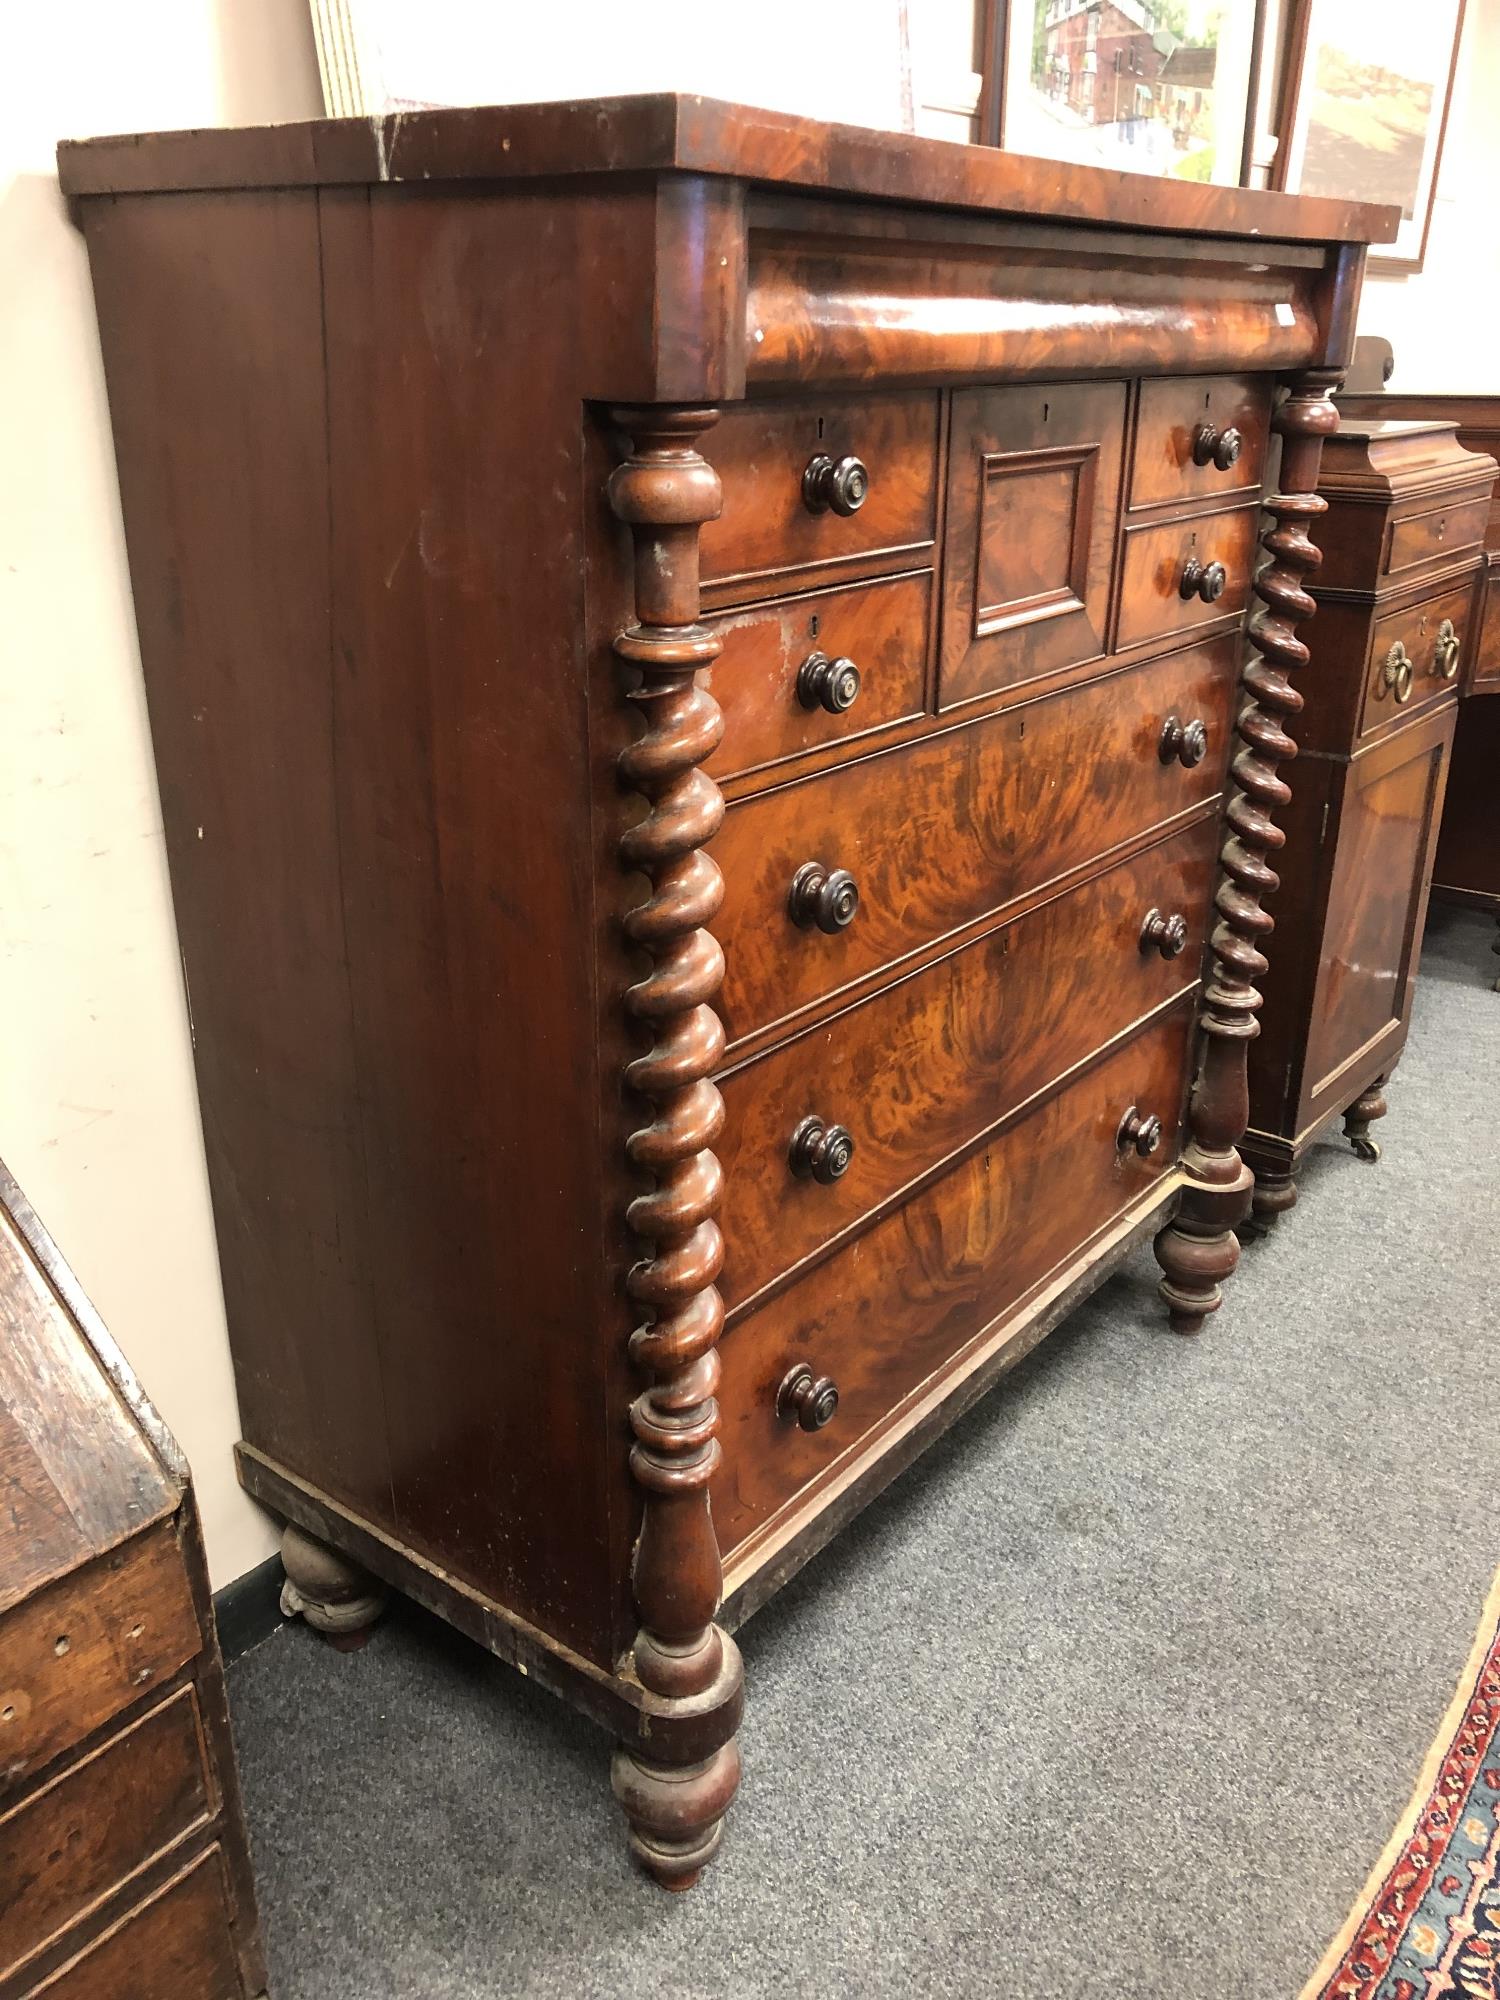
333, 1595
1195, 1262
1274, 1194
676, 1812
1360, 1116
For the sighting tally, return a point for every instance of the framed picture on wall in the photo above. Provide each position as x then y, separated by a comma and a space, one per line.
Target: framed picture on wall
1143, 86
1365, 107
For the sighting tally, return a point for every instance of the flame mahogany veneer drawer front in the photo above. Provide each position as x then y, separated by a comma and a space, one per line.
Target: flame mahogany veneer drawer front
1417, 655
940, 833
818, 670
883, 1093
1198, 436
907, 1296
88, 1831
1177, 575
1029, 541
778, 516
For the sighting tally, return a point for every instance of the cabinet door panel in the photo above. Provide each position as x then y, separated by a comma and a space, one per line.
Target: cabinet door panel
1377, 898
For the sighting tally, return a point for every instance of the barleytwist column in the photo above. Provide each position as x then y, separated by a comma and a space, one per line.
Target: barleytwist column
1198, 1249
676, 1782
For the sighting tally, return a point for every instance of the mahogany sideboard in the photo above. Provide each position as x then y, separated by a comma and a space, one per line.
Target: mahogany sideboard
1399, 597
124, 1867
1467, 865
693, 659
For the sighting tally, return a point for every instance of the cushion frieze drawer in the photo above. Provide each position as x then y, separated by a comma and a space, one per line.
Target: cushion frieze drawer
1197, 437
1177, 575
834, 877
830, 1125
829, 481
880, 1317
818, 670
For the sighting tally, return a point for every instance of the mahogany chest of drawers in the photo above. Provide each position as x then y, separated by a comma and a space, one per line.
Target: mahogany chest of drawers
694, 661
124, 1869
1399, 604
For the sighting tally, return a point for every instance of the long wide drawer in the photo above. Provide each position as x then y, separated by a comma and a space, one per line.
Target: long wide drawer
940, 833
832, 1124
908, 1296
177, 1945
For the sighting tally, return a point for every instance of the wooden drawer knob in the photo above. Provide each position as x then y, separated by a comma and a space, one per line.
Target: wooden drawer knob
1186, 741
820, 1152
1445, 651
807, 1400
830, 684
1205, 580
842, 484
1215, 447
826, 899
1168, 935
1141, 1132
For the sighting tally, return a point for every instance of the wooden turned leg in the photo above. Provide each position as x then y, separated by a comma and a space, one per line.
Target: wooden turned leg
1198, 1249
333, 1595
1358, 1119
1275, 1193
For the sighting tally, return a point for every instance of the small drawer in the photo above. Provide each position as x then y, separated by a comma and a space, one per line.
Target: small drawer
177, 1945
933, 1277
1198, 437
1029, 533
1181, 574
846, 873
1436, 534
70, 1845
827, 667
1417, 655
830, 1125
834, 481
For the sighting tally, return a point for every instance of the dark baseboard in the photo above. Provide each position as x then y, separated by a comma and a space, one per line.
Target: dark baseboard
249, 1609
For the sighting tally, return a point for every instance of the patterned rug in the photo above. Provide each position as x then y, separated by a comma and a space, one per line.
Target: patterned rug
1428, 1923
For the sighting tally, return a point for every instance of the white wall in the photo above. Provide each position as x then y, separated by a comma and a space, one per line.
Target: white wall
98, 1115
1441, 321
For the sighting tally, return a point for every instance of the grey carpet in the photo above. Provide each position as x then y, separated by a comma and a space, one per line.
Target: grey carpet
1118, 1692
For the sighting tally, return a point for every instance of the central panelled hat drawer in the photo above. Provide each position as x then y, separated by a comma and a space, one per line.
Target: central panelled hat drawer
834, 877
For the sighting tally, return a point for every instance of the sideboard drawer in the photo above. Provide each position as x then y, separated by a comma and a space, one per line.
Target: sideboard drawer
1033, 499
1198, 436
1182, 574
776, 519
830, 1125
817, 670
1437, 534
938, 834
1417, 655
174, 1946
927, 1280
101, 1822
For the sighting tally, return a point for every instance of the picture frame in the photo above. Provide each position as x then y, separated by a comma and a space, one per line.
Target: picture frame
1164, 87
1364, 110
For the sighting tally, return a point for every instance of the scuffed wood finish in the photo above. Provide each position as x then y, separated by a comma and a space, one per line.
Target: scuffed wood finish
921, 1070
116, 1767
499, 486
942, 834
929, 1281
177, 1941
675, 1802
1199, 1249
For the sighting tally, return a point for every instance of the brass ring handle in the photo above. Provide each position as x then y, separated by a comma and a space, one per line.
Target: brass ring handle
1168, 935
1203, 580
1397, 672
807, 1400
826, 898
1186, 741
829, 684
1445, 652
1139, 1131
1218, 448
842, 484
820, 1152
